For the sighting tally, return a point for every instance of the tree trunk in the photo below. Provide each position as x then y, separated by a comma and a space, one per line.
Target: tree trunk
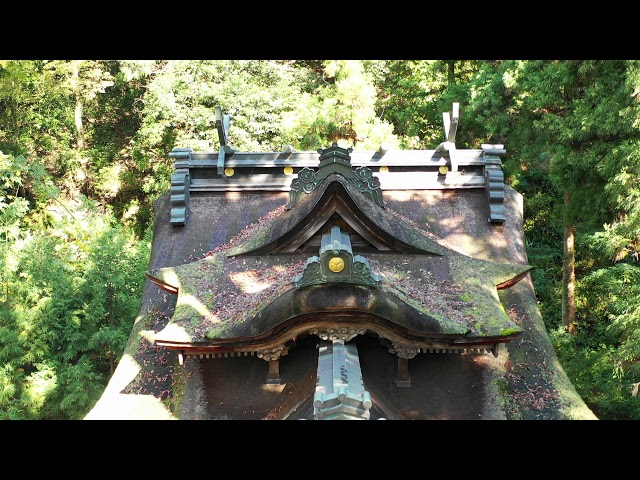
81, 172
79, 125
568, 270
451, 72
75, 82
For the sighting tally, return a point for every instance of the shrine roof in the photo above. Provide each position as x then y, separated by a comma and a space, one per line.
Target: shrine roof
244, 291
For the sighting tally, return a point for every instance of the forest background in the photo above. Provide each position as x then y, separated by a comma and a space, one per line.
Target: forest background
84, 152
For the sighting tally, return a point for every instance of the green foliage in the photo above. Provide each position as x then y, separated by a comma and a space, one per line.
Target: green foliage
408, 99
179, 106
547, 279
341, 110
602, 357
78, 389
38, 118
75, 293
612, 295
563, 119
542, 206
12, 210
593, 372
620, 237
117, 117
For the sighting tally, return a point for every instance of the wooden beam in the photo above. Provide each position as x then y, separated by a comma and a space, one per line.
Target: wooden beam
408, 158
453, 128
222, 125
446, 120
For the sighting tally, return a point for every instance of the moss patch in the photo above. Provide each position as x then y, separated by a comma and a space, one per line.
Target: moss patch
417, 287
219, 291
485, 313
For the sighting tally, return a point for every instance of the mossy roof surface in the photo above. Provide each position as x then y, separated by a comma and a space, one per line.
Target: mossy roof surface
230, 294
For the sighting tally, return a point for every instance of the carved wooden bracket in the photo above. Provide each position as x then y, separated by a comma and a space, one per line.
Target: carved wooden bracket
180, 181
403, 351
272, 354
343, 333
494, 182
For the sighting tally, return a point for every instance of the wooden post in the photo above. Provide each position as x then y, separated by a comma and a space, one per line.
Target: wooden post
273, 377
402, 377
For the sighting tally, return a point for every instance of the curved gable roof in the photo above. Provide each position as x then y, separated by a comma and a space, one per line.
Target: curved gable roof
382, 227
245, 294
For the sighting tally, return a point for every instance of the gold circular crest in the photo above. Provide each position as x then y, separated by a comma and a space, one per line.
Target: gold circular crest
336, 264
229, 172
443, 170
288, 170
384, 169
